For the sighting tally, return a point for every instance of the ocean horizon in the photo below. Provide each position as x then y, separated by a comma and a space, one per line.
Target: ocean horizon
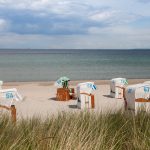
78, 64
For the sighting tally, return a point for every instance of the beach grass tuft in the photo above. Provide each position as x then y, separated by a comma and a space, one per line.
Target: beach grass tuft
77, 131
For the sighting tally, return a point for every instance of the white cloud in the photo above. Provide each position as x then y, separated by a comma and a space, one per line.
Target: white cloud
55, 6
121, 30
101, 16
73, 23
26, 4
3, 25
32, 26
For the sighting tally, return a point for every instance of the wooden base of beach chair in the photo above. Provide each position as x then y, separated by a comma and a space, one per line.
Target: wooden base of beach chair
63, 94
92, 101
142, 100
13, 111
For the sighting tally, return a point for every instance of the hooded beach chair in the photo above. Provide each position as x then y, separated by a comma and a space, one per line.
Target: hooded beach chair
117, 87
85, 98
137, 96
64, 93
7, 99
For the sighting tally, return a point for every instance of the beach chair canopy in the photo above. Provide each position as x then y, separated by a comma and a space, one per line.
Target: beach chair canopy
86, 87
62, 82
137, 91
119, 82
8, 96
89, 85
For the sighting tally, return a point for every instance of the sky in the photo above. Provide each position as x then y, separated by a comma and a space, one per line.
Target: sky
75, 24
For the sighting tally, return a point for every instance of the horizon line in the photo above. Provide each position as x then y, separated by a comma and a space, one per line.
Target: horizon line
74, 48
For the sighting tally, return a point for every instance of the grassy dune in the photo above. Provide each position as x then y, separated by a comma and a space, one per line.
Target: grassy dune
70, 131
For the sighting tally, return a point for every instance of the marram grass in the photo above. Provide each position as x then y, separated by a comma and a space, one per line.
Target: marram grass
77, 131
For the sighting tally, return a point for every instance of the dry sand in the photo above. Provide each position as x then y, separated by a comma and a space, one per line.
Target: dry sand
39, 98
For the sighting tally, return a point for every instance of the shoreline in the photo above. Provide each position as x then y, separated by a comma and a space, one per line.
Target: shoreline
72, 82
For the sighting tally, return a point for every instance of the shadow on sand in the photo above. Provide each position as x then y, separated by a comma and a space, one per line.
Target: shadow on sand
53, 98
108, 96
73, 106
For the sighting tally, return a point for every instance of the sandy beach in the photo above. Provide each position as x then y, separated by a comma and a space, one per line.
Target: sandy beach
39, 98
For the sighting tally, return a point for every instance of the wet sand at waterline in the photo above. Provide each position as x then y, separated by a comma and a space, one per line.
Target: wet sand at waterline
39, 98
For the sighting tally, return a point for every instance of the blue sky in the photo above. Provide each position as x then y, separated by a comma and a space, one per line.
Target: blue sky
75, 24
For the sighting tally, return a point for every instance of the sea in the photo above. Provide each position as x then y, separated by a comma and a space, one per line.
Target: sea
50, 64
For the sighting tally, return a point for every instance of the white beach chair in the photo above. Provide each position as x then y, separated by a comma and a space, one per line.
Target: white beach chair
7, 98
117, 86
137, 97
85, 99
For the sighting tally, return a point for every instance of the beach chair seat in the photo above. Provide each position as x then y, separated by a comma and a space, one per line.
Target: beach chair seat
85, 101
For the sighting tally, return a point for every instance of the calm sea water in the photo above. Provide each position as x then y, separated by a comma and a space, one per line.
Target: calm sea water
46, 65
